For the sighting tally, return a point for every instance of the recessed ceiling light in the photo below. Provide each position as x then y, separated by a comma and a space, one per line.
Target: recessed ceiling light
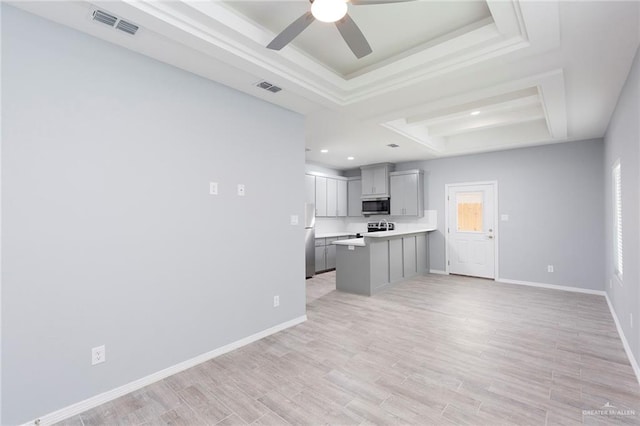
475, 113
350, 158
324, 151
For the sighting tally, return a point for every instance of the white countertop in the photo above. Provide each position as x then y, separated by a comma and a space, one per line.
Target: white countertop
352, 242
383, 234
335, 234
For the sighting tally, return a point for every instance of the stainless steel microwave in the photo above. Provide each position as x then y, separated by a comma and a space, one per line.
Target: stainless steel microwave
376, 206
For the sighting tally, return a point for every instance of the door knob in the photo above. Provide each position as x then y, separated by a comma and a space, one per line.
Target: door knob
490, 236
490, 230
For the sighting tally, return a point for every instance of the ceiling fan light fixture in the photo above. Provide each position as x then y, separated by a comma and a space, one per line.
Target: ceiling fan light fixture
329, 10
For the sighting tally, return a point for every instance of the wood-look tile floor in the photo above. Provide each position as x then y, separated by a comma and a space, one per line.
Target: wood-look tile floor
434, 350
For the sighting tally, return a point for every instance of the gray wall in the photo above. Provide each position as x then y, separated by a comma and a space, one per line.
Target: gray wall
553, 195
622, 141
109, 235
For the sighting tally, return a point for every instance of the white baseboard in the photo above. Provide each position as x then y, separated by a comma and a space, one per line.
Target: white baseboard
102, 398
551, 286
437, 271
625, 343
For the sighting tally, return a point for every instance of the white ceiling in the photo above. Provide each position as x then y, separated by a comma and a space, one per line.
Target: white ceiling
533, 72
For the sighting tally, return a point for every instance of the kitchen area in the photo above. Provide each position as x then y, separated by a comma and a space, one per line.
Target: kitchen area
369, 225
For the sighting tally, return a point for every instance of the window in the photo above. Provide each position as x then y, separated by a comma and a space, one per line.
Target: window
617, 219
469, 205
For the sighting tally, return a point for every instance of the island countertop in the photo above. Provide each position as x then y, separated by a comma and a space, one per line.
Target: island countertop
360, 242
334, 234
396, 232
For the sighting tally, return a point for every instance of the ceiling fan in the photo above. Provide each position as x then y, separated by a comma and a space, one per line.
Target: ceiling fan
331, 11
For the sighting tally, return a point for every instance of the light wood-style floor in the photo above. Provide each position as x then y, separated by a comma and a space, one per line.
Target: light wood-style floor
434, 350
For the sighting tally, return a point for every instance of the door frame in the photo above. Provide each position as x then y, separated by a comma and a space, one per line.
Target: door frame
496, 235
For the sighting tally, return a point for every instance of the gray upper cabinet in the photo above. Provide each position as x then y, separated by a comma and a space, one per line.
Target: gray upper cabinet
375, 180
321, 196
332, 197
407, 193
310, 187
354, 193
341, 195
328, 194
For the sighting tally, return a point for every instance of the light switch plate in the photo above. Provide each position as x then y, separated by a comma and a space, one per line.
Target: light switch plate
241, 190
98, 355
213, 188
294, 219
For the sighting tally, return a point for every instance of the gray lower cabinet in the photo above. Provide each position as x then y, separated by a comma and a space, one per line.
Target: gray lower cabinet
321, 259
396, 267
409, 261
403, 262
326, 253
331, 256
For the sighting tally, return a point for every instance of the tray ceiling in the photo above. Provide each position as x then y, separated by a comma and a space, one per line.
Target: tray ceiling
393, 30
535, 72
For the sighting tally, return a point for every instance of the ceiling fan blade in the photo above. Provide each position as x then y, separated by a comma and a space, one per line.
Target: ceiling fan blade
291, 32
367, 2
353, 36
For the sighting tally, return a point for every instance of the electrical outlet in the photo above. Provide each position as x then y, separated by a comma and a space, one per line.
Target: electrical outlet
241, 190
276, 301
294, 219
98, 355
504, 217
213, 188
549, 268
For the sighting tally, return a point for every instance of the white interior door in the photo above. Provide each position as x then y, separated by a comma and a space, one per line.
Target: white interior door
471, 230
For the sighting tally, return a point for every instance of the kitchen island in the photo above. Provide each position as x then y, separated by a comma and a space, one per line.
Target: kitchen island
381, 259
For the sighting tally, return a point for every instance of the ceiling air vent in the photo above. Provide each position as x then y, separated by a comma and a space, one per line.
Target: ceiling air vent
268, 86
127, 27
393, 145
114, 22
104, 17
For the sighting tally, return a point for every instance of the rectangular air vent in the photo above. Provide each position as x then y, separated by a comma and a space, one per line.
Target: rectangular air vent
104, 17
127, 27
114, 22
268, 86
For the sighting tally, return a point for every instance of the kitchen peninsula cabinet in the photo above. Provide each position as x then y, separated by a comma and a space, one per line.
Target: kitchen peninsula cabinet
380, 260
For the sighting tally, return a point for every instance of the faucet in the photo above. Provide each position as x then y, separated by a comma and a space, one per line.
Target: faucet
386, 223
